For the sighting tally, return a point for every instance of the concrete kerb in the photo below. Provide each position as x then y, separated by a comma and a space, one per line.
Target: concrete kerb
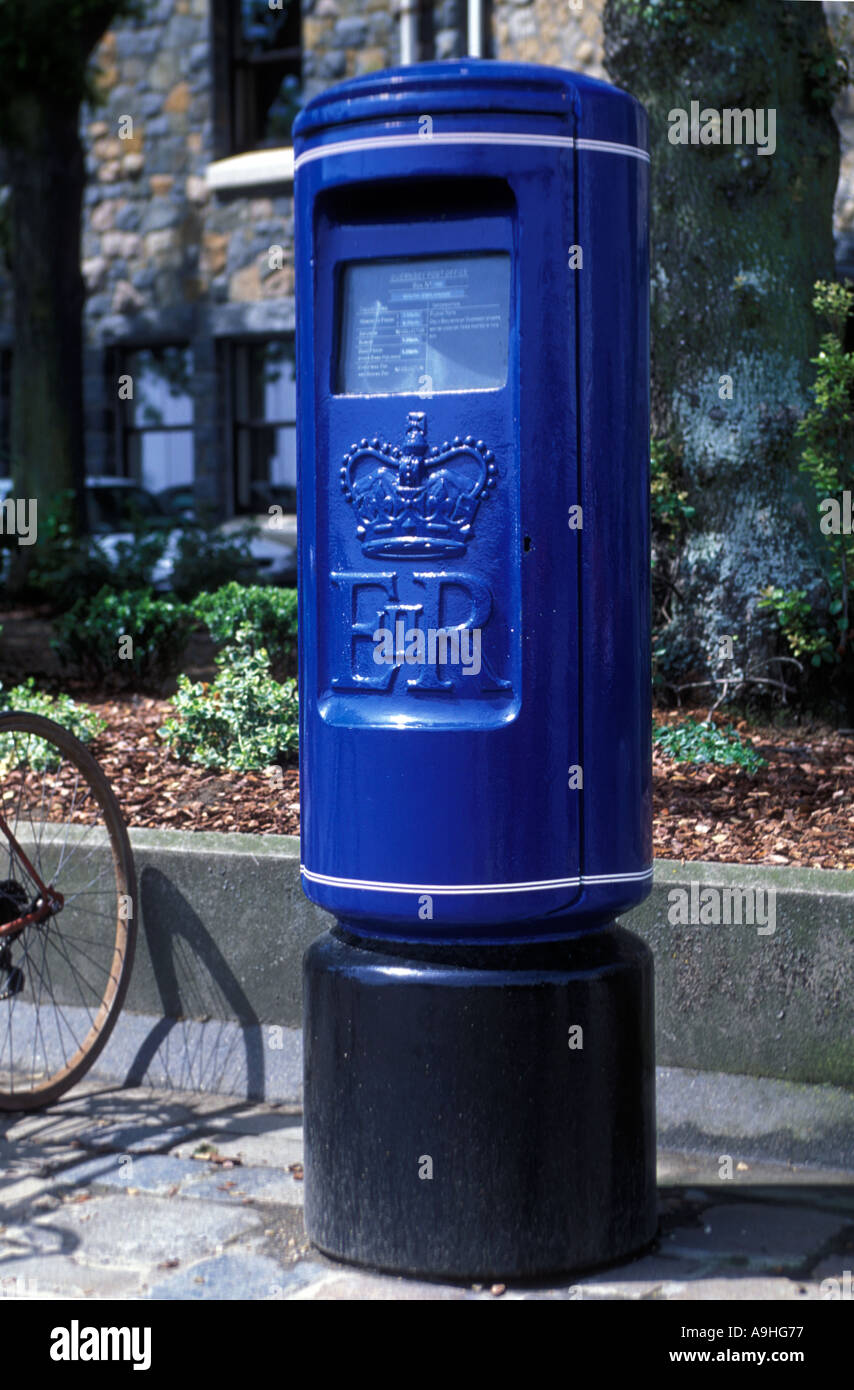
774, 997
215, 999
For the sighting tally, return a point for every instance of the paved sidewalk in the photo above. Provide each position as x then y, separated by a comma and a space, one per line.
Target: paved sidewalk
153, 1194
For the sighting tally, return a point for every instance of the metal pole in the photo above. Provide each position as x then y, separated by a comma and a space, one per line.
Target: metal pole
475, 29
408, 32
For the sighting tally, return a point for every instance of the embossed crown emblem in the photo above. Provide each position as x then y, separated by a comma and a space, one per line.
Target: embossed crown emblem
416, 500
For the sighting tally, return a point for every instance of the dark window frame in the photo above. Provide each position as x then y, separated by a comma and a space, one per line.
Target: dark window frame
426, 31
118, 362
236, 66
5, 409
240, 425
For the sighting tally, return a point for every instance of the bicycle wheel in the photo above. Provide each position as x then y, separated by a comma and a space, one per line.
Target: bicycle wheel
67, 919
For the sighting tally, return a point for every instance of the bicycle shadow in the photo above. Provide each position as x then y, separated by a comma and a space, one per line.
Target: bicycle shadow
67, 1173
210, 1037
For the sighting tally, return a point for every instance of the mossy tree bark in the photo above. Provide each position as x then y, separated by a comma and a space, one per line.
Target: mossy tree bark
46, 171
45, 52
739, 239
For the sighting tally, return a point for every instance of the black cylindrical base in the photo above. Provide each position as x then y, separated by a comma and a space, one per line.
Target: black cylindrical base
480, 1112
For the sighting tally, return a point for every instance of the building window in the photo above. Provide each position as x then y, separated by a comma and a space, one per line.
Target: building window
450, 29
261, 396
5, 412
426, 32
258, 73
155, 445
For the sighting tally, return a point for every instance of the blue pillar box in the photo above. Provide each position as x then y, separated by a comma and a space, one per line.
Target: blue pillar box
473, 378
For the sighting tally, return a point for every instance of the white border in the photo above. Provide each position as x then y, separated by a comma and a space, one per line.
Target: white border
467, 137
449, 889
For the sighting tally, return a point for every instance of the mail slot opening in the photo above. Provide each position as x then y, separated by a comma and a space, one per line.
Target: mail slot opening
415, 199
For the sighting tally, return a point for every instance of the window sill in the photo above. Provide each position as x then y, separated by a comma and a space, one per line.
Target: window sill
255, 169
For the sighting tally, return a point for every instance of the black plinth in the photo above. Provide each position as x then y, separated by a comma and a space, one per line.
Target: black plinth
454, 1126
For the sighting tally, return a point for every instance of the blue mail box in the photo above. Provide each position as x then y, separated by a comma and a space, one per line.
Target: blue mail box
473, 454
473, 363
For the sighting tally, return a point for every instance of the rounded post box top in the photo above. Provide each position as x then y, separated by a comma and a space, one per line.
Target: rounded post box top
471, 86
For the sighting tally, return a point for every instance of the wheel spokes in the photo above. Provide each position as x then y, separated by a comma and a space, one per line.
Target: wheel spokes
61, 834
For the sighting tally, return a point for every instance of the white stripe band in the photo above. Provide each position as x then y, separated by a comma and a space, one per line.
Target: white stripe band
468, 137
449, 889
611, 147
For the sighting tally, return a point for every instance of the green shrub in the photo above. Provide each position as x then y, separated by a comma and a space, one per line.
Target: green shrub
25, 699
702, 742
90, 635
670, 508
827, 430
244, 720
64, 566
267, 616
807, 638
671, 517
136, 559
207, 559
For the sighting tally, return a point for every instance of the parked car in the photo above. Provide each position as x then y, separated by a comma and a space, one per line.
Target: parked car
273, 544
114, 508
178, 501
272, 525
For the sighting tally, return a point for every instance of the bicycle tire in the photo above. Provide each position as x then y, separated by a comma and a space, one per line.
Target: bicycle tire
49, 1087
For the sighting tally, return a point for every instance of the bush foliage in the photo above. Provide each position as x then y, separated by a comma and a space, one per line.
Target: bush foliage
266, 616
701, 741
125, 638
81, 721
244, 720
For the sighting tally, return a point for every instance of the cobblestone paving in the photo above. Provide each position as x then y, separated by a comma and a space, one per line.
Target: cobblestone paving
152, 1194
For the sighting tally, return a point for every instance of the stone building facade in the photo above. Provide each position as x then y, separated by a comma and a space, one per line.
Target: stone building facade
187, 237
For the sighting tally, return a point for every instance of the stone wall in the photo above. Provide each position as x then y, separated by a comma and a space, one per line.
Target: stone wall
565, 33
344, 39
163, 259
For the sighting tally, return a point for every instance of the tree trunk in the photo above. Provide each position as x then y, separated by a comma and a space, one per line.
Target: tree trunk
47, 174
739, 239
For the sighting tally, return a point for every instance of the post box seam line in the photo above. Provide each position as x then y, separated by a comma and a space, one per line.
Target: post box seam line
534, 886
465, 137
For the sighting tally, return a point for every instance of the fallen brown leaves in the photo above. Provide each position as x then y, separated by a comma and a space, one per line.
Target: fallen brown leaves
156, 791
797, 810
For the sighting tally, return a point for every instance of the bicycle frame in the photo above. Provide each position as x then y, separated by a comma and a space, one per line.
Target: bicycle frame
49, 900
